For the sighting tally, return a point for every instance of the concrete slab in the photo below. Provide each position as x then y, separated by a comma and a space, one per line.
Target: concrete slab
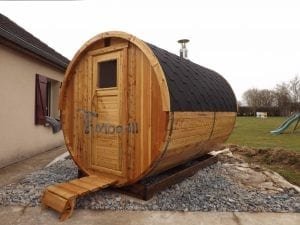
17, 171
36, 216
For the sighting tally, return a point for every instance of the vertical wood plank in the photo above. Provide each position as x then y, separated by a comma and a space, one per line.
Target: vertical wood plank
149, 95
138, 108
158, 118
84, 106
145, 111
89, 74
124, 109
76, 124
80, 106
131, 109
68, 117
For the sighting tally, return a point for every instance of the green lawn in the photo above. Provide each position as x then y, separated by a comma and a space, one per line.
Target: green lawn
254, 132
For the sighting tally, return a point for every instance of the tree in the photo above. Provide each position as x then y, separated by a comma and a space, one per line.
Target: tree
259, 98
283, 98
266, 98
251, 97
239, 103
294, 87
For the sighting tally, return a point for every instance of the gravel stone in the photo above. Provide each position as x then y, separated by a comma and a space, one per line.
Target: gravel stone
210, 189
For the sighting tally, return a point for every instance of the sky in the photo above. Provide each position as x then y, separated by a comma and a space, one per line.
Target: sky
251, 43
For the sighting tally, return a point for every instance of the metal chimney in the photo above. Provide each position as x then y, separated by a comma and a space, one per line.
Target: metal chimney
183, 50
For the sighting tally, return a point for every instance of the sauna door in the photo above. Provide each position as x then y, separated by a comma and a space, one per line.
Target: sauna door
108, 137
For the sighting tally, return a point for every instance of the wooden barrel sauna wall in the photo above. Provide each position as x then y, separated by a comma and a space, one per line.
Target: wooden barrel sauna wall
130, 109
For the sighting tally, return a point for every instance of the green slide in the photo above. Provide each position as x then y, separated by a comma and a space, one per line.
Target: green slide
287, 123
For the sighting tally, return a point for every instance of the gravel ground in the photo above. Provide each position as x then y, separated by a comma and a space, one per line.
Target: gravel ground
211, 189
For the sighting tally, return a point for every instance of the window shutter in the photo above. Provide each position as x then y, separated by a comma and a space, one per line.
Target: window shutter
41, 99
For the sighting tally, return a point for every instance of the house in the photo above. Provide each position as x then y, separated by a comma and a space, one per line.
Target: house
31, 73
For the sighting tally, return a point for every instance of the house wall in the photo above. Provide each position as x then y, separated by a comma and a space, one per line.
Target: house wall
20, 138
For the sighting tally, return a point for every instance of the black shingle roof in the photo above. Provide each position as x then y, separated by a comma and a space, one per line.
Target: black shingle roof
193, 87
12, 32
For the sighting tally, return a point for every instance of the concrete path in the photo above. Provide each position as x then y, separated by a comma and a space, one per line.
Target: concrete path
36, 216
17, 171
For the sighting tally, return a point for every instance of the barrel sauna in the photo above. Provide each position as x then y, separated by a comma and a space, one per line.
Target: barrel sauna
130, 109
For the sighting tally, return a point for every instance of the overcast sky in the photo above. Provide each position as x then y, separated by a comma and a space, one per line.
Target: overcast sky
253, 43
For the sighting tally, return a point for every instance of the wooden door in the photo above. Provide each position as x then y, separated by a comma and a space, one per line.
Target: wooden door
108, 101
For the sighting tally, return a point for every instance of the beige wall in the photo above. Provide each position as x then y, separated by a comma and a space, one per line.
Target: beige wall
19, 137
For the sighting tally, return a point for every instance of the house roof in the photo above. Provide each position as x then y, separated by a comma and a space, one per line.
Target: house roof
193, 87
12, 33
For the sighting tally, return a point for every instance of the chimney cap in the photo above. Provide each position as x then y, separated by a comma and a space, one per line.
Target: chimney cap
183, 41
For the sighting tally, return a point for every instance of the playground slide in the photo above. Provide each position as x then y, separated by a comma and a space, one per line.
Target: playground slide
286, 124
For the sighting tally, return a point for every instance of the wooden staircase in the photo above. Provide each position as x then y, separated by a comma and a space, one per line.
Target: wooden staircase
62, 197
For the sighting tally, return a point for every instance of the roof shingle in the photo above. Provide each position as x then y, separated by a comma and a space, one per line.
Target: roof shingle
12, 32
193, 87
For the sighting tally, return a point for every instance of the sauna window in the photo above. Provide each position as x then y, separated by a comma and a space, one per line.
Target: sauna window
107, 74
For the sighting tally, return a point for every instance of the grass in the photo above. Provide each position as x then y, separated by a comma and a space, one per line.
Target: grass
289, 174
254, 132
280, 153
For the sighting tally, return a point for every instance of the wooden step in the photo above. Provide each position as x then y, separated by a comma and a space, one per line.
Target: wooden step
62, 197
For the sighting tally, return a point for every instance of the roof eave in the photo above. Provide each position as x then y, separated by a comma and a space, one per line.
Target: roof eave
58, 65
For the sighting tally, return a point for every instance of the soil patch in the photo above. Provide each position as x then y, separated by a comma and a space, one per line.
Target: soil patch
283, 161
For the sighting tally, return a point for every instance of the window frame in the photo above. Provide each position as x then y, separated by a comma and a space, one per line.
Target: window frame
99, 74
46, 99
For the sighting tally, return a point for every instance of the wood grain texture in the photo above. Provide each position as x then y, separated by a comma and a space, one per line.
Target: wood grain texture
163, 139
62, 197
195, 134
146, 110
55, 202
116, 36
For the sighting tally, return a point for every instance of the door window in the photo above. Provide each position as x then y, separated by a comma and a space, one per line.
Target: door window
107, 74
